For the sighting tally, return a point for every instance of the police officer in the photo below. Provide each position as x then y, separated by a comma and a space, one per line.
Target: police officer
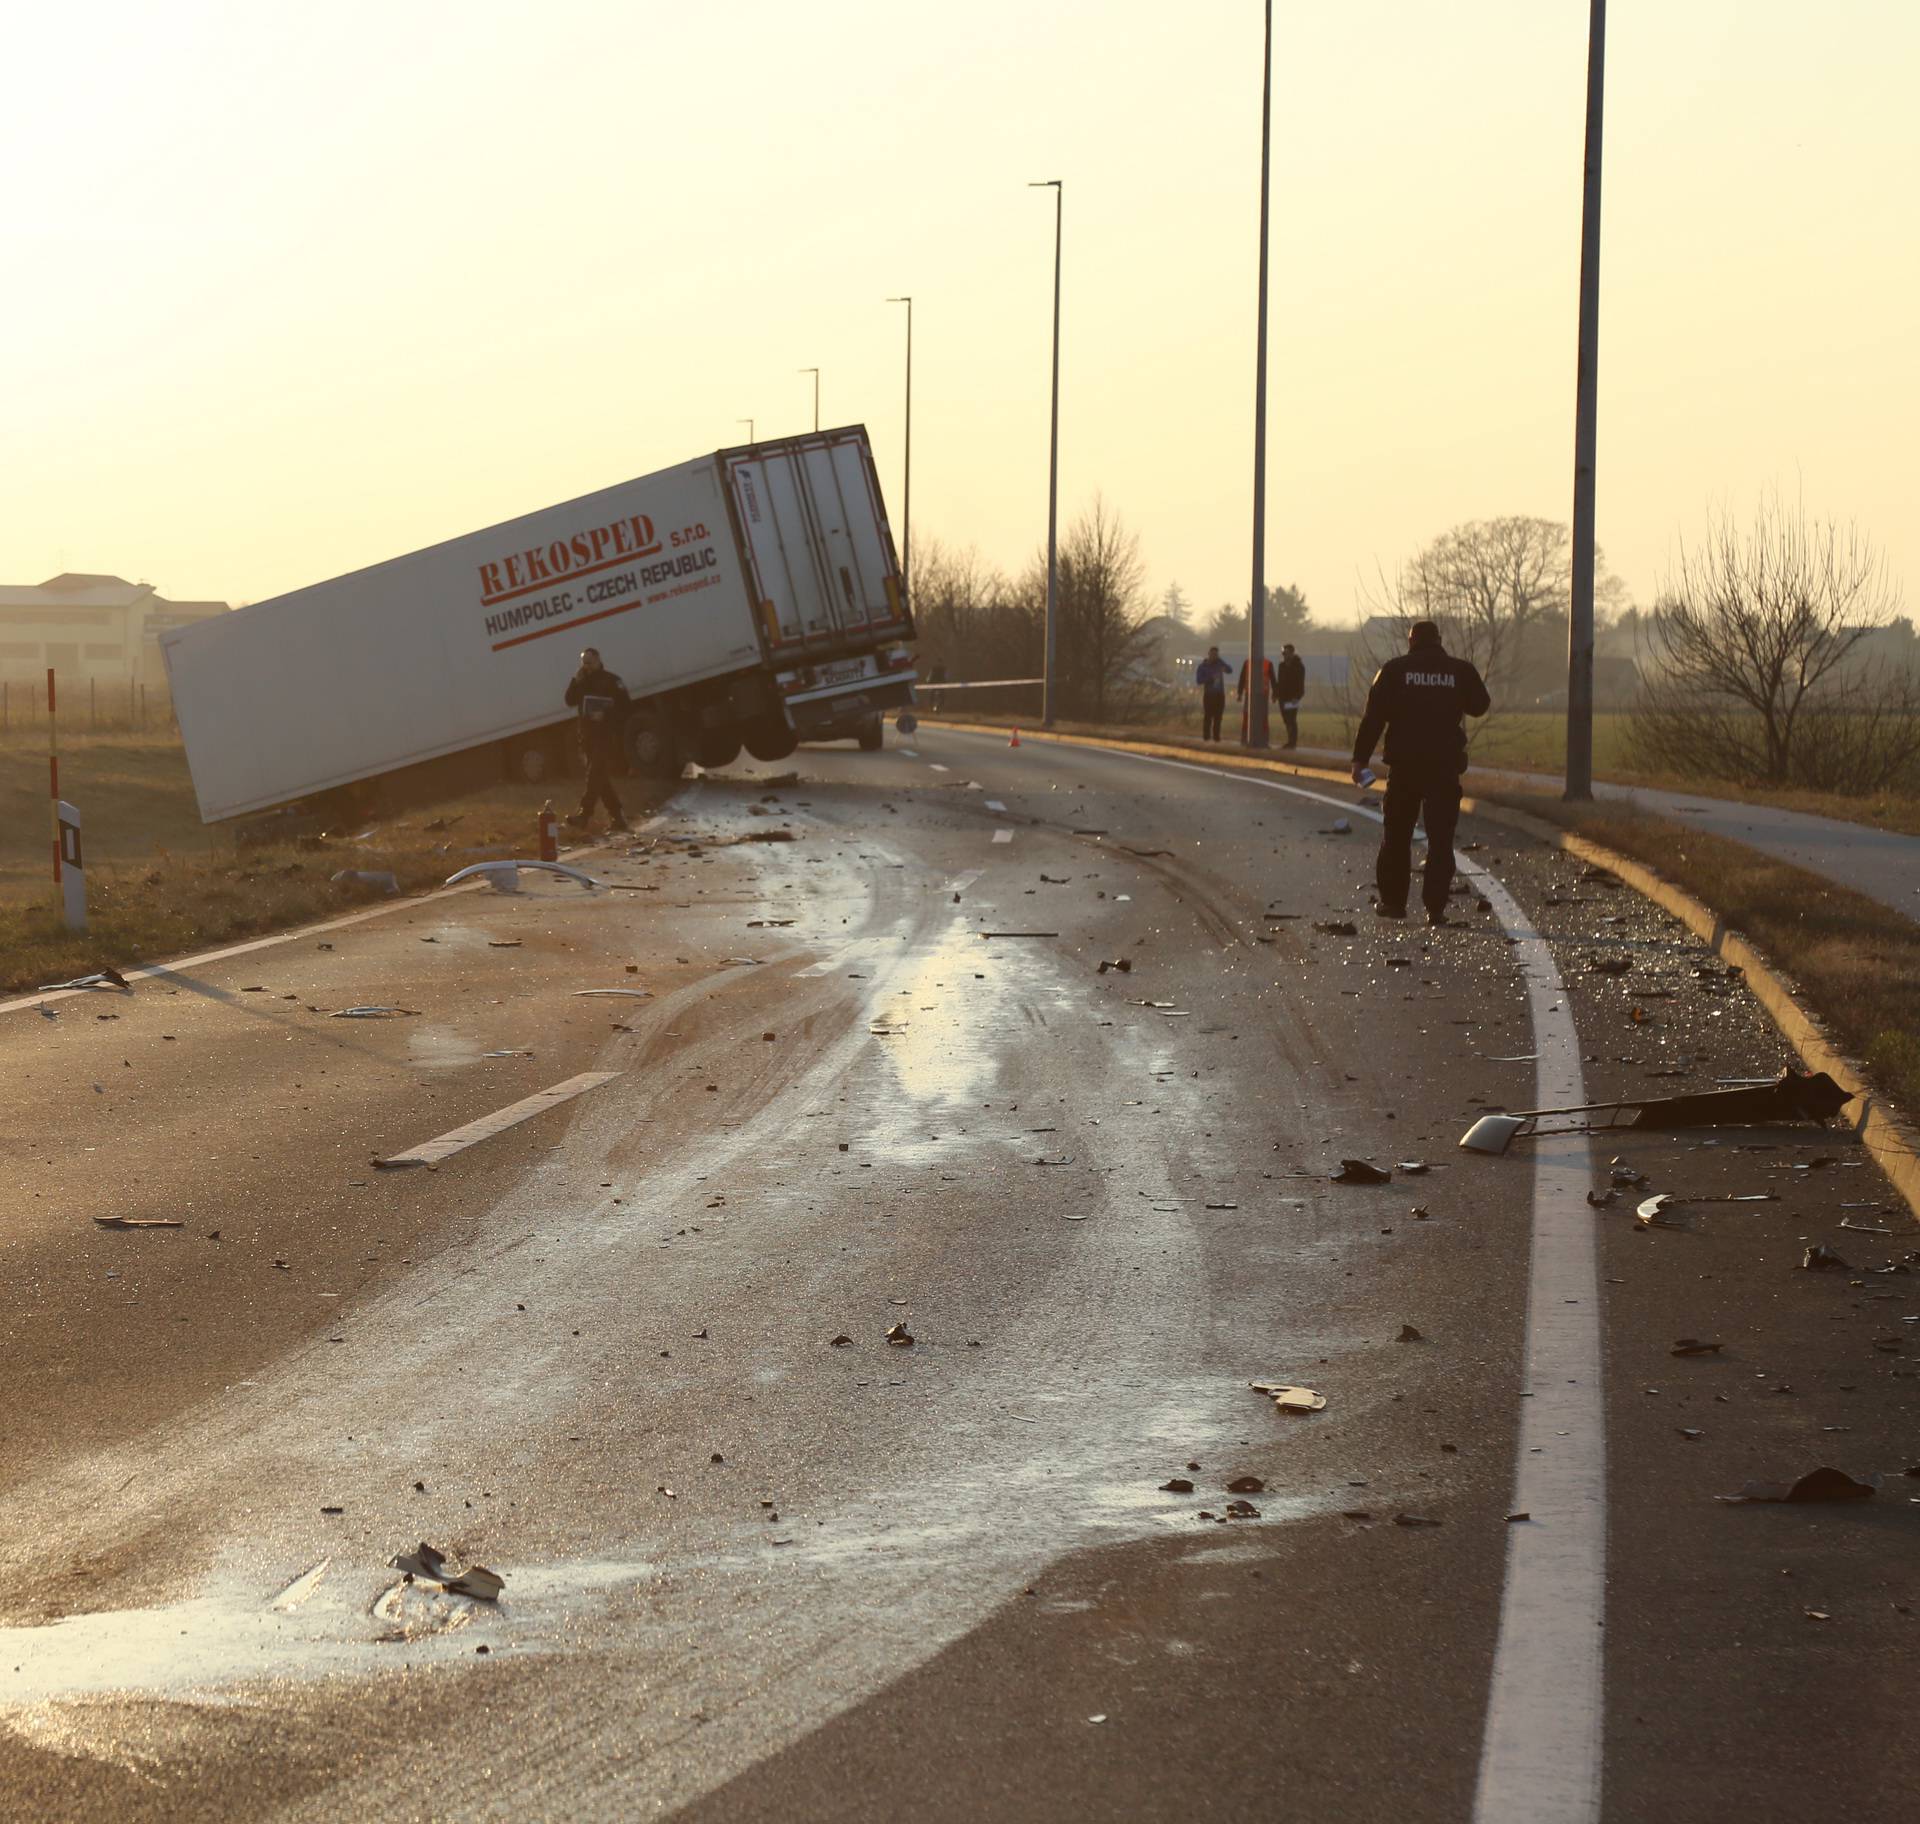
1419, 700
602, 701
1211, 675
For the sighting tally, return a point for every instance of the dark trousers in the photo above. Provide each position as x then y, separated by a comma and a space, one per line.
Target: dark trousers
1213, 705
1291, 717
600, 786
1430, 793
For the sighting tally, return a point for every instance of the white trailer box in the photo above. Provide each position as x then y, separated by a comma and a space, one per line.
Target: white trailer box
750, 595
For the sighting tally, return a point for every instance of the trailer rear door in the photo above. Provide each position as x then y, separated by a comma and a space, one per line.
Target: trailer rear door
819, 550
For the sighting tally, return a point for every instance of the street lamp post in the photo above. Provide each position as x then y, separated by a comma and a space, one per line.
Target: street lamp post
906, 486
815, 372
1579, 786
748, 422
1053, 463
1257, 618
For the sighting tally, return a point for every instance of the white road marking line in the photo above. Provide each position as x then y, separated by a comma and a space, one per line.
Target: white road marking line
993, 804
912, 753
961, 882
403, 903
938, 768
1003, 835
429, 1152
1541, 1756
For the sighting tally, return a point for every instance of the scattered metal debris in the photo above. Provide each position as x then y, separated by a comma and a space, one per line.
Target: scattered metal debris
1336, 927
1358, 1171
625, 994
375, 1013
1692, 1345
1821, 1258
1792, 1097
1123, 963
1176, 1485
426, 1563
900, 1337
1408, 1334
139, 1222
104, 977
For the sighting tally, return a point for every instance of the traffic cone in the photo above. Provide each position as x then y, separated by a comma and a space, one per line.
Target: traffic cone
1015, 742
549, 833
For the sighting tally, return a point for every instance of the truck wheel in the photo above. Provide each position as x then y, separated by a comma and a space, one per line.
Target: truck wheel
653, 748
873, 735
717, 748
771, 739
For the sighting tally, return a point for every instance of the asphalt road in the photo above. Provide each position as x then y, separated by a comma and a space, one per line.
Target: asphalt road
754, 1571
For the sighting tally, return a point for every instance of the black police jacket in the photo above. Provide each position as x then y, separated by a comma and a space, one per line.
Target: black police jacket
603, 703
1419, 700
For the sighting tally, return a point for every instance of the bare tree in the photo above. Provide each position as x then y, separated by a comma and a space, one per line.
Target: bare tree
1768, 661
968, 621
1103, 650
1500, 591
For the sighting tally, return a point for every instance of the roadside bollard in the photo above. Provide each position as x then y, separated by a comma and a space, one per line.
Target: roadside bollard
549, 833
72, 876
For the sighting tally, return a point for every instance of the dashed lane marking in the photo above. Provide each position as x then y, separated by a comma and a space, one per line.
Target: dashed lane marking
938, 768
1003, 835
993, 804
431, 1152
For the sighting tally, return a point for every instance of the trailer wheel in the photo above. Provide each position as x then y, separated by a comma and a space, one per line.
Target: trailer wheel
717, 748
653, 746
873, 735
771, 739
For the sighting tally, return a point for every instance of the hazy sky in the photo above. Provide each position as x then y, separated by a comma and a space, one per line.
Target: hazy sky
291, 290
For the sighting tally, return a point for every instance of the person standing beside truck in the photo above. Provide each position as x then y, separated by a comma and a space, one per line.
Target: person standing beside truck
1290, 685
603, 703
1419, 700
1211, 675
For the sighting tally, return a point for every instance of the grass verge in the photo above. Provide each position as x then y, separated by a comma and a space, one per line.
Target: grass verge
1857, 963
161, 884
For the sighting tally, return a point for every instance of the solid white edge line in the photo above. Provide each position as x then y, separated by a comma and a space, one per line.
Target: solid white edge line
148, 971
431, 1152
1542, 1743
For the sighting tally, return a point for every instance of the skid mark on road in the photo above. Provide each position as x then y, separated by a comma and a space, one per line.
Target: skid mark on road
1540, 1759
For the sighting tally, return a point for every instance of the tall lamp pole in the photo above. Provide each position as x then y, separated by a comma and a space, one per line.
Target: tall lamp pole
1586, 413
815, 372
906, 490
1053, 463
1257, 618
748, 422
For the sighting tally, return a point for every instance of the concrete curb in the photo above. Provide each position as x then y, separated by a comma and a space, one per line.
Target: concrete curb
1893, 1142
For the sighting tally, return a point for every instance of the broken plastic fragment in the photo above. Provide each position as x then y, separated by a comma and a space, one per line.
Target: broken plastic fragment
1289, 1398
1358, 1171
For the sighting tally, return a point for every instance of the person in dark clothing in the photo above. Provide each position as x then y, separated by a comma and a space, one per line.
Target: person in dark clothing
1418, 700
1211, 675
1290, 685
603, 703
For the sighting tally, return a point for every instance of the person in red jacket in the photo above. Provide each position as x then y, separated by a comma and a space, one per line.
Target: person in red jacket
1246, 708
